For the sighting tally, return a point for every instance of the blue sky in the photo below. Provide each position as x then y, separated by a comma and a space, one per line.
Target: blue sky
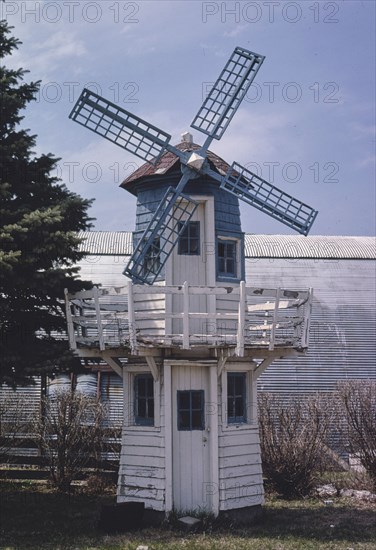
307, 124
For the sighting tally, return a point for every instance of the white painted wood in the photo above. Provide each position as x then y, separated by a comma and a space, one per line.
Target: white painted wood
99, 320
70, 326
192, 483
213, 424
114, 364
185, 316
131, 318
275, 317
153, 367
241, 321
168, 436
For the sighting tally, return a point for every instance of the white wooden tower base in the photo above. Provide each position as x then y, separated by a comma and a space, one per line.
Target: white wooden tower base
215, 464
216, 469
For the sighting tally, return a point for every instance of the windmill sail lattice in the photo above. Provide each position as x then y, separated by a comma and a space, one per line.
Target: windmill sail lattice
227, 93
120, 127
257, 192
149, 143
161, 235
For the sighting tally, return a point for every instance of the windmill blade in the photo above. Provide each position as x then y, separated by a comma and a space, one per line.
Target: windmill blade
121, 127
161, 236
227, 93
254, 190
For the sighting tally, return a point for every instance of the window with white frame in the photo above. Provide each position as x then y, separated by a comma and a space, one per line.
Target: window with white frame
236, 397
189, 240
144, 399
227, 258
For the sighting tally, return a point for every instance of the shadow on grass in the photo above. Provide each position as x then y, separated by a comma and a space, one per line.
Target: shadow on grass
313, 520
31, 518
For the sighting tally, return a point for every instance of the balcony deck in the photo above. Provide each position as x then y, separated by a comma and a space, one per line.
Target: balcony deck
137, 317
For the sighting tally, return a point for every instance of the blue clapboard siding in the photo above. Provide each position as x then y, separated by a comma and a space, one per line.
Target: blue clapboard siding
226, 206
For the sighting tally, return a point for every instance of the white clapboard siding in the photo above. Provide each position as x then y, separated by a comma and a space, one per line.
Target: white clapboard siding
142, 468
240, 472
142, 476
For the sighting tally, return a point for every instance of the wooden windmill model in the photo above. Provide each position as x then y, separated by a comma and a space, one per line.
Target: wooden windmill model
187, 335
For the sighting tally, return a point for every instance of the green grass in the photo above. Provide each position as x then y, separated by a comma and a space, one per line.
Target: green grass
32, 516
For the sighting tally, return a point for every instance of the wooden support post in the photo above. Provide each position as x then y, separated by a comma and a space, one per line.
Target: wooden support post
221, 362
307, 319
213, 437
275, 319
153, 367
131, 320
168, 436
241, 320
114, 364
185, 315
102, 346
71, 336
263, 366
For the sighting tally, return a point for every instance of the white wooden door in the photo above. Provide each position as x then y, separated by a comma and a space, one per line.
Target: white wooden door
190, 439
191, 268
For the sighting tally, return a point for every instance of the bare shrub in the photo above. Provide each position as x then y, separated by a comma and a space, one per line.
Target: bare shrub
293, 438
357, 421
70, 435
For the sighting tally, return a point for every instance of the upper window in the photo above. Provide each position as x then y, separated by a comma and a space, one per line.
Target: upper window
191, 410
189, 240
236, 397
227, 258
144, 399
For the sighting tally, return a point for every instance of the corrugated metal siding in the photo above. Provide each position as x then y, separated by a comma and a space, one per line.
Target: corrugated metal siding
118, 243
30, 395
343, 326
298, 246
112, 397
30, 401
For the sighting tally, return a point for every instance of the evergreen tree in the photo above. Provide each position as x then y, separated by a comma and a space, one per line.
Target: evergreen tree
39, 220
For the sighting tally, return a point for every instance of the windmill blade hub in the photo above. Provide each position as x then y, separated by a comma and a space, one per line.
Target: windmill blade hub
196, 162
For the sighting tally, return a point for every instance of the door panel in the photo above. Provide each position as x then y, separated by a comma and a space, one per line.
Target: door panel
190, 447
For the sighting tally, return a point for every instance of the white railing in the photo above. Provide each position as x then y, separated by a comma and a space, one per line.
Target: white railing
188, 316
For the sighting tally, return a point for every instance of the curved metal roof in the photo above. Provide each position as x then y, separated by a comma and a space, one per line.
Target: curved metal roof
119, 243
106, 243
315, 246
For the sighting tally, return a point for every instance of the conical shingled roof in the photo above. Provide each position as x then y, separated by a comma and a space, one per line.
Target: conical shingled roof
168, 161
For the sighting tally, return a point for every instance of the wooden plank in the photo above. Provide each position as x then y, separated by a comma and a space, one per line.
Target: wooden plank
99, 323
145, 451
131, 438
244, 497
240, 461
168, 437
243, 480
148, 461
70, 326
142, 472
272, 293
239, 450
213, 437
241, 321
227, 472
143, 482
154, 504
132, 323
